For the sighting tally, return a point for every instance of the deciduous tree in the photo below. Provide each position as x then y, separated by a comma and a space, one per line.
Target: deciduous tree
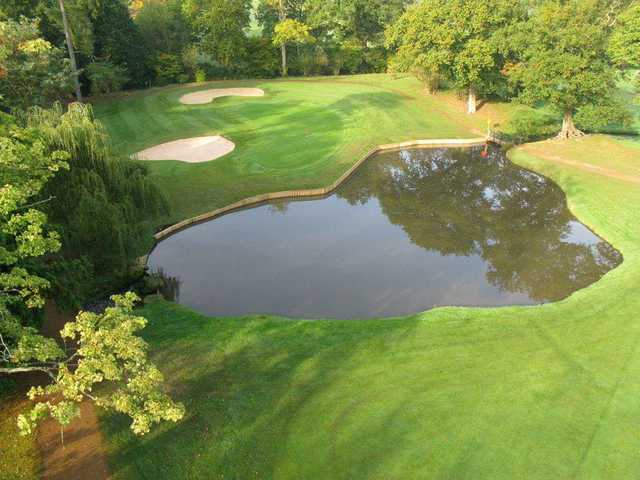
290, 31
455, 39
564, 60
32, 71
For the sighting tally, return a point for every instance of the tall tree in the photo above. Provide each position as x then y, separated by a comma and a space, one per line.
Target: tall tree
72, 53
220, 24
117, 39
290, 31
361, 20
564, 60
288, 28
456, 39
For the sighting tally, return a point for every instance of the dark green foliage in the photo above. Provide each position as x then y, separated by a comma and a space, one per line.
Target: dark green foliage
104, 206
117, 39
106, 77
169, 69
163, 26
264, 61
530, 125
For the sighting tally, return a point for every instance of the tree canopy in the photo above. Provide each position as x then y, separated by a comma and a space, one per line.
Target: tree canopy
563, 61
457, 40
32, 70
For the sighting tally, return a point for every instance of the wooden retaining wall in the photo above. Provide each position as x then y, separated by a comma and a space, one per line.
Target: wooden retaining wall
313, 192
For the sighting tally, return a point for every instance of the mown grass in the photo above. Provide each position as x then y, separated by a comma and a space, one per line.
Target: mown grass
541, 392
301, 134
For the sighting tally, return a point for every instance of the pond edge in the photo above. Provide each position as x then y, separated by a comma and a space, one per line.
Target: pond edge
314, 192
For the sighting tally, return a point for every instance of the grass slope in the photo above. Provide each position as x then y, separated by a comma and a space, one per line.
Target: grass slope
541, 392
302, 134
19, 456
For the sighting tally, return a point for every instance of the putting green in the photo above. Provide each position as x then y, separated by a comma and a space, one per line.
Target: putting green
529, 392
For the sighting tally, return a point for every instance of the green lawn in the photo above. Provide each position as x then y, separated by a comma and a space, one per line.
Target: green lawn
301, 134
523, 392
19, 456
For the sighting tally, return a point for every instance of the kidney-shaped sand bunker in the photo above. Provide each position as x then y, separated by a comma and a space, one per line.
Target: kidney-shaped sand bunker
191, 150
206, 96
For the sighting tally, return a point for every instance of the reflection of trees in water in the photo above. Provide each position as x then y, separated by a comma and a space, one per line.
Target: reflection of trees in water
170, 289
455, 202
278, 206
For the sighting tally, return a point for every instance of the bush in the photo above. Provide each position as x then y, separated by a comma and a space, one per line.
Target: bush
168, 69
529, 125
609, 117
263, 58
106, 77
201, 76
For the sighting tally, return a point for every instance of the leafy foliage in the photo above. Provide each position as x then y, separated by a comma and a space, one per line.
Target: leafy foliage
220, 25
563, 60
459, 40
624, 45
292, 31
108, 353
32, 71
105, 205
106, 77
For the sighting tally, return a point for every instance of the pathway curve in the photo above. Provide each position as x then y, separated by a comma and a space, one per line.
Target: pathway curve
83, 455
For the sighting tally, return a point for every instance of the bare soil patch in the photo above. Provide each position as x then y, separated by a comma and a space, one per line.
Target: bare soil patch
190, 150
83, 455
207, 96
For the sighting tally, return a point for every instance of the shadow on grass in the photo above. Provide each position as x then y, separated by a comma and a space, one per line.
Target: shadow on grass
244, 384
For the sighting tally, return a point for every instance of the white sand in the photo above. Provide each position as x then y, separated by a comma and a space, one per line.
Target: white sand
207, 96
192, 150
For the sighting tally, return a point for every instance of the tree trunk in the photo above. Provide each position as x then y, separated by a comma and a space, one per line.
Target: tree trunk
569, 129
72, 55
472, 101
283, 50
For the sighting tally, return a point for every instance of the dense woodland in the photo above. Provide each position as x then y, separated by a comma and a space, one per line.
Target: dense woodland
75, 215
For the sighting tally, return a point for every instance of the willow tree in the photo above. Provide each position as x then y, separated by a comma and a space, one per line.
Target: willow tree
564, 61
108, 363
106, 207
459, 40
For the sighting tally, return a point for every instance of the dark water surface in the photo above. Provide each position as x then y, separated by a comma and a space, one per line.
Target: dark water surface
409, 231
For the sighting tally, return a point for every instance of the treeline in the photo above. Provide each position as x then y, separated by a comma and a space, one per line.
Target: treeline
140, 43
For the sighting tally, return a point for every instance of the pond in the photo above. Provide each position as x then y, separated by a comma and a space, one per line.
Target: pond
409, 231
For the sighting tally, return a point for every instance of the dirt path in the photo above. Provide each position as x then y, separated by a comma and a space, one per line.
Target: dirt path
83, 456
586, 167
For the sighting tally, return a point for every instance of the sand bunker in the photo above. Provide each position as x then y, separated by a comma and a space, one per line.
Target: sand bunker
206, 96
192, 150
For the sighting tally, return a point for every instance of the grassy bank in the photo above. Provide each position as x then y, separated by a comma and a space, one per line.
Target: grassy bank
528, 392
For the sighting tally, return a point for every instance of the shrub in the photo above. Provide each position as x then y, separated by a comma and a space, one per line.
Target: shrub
201, 76
106, 77
168, 69
528, 125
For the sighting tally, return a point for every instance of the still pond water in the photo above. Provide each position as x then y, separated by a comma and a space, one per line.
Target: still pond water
411, 230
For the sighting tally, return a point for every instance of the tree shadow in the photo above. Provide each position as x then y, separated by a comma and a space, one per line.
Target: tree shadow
248, 386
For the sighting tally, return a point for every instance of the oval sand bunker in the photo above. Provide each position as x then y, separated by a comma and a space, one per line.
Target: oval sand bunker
192, 150
207, 96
